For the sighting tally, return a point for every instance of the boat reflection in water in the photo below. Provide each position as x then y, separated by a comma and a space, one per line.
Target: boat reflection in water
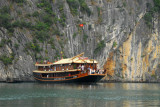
75, 69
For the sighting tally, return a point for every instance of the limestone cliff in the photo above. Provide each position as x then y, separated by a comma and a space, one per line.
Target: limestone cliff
123, 35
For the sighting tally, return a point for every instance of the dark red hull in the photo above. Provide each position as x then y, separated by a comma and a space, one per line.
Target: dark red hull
72, 79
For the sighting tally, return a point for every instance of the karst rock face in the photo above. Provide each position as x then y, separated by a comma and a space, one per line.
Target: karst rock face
122, 35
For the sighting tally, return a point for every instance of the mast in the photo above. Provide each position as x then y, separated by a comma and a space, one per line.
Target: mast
77, 56
93, 51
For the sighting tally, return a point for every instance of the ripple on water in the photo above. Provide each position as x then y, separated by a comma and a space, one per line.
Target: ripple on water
107, 94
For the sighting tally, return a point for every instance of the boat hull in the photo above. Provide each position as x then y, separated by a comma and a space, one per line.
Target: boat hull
93, 78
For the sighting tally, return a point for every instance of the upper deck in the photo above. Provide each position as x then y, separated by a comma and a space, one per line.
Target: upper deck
76, 63
49, 71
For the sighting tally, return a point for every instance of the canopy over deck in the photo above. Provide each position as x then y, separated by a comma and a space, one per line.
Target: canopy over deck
63, 61
75, 59
43, 64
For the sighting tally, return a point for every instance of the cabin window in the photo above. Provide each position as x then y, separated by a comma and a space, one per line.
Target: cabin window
58, 68
71, 66
44, 75
54, 68
62, 68
75, 66
67, 67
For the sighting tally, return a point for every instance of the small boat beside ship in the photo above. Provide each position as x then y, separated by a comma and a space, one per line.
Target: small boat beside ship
75, 69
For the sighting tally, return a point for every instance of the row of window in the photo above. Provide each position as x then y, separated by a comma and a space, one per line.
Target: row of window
47, 75
65, 67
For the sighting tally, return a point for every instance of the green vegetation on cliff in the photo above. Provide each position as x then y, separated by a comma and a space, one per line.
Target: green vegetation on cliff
7, 60
5, 18
75, 4
100, 46
148, 17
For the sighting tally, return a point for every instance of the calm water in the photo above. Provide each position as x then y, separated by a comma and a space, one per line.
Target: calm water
78, 95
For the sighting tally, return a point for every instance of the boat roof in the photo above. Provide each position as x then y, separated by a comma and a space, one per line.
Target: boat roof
79, 60
76, 59
63, 61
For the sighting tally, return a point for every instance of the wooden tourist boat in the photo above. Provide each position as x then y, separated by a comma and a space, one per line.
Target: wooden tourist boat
75, 69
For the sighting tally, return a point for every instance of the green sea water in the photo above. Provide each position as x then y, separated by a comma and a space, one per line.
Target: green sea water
80, 95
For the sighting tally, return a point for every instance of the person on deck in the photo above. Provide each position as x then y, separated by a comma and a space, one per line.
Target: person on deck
98, 71
90, 71
79, 67
55, 68
94, 71
82, 67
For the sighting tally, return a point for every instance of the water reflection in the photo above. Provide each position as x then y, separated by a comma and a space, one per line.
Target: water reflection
79, 95
140, 86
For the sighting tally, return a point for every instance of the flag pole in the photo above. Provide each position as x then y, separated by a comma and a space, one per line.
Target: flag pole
93, 50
